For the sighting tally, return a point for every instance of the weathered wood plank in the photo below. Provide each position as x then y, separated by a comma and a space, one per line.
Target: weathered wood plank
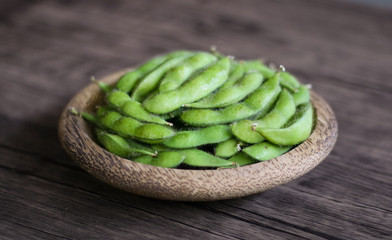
49, 49
84, 188
57, 208
260, 213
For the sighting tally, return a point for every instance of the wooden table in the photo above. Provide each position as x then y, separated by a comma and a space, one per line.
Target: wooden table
49, 50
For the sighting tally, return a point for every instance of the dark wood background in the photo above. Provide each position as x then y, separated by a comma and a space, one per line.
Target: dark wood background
49, 49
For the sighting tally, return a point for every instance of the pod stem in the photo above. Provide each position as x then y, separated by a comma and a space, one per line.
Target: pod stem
281, 68
103, 86
215, 52
144, 152
73, 111
89, 117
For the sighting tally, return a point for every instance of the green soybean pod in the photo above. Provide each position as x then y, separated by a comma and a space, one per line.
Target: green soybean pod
227, 96
133, 108
135, 145
130, 127
103, 110
257, 65
265, 151
296, 131
161, 148
120, 146
302, 95
203, 136
129, 79
241, 159
228, 148
179, 74
193, 90
260, 101
289, 81
283, 110
147, 84
163, 159
199, 158
236, 73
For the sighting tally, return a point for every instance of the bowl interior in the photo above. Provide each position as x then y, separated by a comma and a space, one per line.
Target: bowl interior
189, 185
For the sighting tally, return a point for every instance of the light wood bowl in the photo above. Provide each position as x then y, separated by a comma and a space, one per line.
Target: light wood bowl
190, 185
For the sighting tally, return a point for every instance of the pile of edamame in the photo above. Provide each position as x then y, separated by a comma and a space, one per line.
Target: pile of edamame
202, 110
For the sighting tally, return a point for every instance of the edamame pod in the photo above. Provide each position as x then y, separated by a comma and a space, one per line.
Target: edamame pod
151, 80
130, 127
178, 75
259, 101
265, 151
302, 95
133, 108
120, 146
241, 159
283, 110
257, 65
227, 96
297, 130
289, 81
193, 90
236, 73
228, 148
199, 158
163, 159
129, 79
208, 135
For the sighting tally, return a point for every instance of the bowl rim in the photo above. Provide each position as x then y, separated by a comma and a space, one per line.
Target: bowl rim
75, 135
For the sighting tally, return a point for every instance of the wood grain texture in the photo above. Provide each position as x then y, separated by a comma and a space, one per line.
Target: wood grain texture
189, 185
49, 50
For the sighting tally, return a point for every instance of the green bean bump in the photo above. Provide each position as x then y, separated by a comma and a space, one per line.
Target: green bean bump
179, 74
236, 73
151, 80
228, 148
130, 127
259, 101
265, 151
163, 159
129, 79
227, 96
283, 110
199, 158
120, 146
203, 136
133, 108
193, 90
297, 130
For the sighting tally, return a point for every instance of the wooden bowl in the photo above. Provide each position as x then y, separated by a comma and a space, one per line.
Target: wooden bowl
189, 185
